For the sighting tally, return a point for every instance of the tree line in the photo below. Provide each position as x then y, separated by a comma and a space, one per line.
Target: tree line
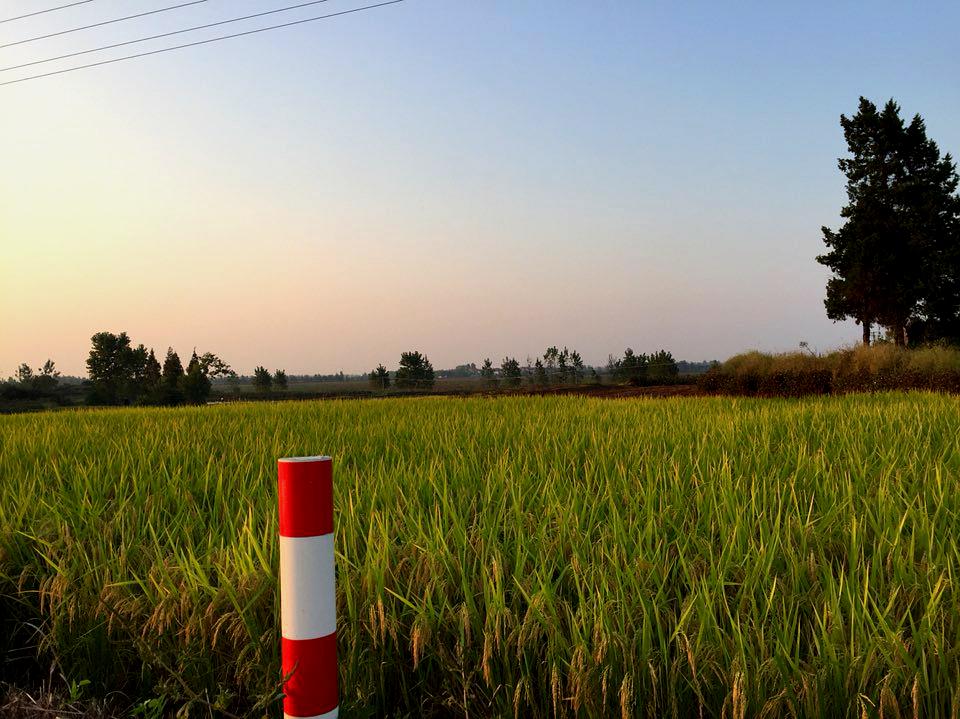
265, 383
120, 374
415, 372
896, 258
556, 367
43, 387
44, 381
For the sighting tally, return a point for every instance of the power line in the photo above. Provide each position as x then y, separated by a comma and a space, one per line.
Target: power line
105, 22
201, 42
43, 12
162, 35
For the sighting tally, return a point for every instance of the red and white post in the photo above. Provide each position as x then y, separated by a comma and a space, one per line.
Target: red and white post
308, 601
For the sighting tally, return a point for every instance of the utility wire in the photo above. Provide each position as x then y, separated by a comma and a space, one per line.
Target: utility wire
43, 12
200, 42
162, 35
101, 24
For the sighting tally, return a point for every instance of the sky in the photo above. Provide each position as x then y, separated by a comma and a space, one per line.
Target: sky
469, 179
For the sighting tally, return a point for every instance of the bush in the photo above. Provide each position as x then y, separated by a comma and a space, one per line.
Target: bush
878, 368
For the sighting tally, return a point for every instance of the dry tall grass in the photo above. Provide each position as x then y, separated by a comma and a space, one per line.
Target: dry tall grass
855, 369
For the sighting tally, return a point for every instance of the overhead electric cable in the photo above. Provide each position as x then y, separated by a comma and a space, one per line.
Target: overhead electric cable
43, 12
201, 42
101, 24
162, 35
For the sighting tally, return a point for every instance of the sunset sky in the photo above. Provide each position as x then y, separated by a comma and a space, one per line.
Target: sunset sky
470, 179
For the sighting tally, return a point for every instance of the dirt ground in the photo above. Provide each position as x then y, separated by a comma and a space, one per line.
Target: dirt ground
621, 392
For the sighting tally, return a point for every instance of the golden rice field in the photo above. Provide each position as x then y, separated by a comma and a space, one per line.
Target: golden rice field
502, 557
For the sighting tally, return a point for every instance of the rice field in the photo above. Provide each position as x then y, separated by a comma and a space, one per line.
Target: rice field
502, 557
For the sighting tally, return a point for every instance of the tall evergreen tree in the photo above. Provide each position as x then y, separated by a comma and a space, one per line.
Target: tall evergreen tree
380, 378
631, 368
510, 372
563, 366
539, 378
195, 383
551, 357
152, 378
415, 371
488, 373
929, 192
135, 391
576, 367
662, 366
172, 392
895, 257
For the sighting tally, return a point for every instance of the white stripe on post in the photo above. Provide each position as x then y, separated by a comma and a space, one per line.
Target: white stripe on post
329, 715
308, 611
309, 605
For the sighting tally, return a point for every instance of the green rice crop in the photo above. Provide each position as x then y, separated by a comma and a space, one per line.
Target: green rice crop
504, 557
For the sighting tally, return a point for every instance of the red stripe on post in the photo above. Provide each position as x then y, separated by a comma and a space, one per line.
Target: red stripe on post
312, 666
306, 497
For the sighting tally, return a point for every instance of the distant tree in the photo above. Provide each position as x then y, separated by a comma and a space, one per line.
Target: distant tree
47, 379
612, 366
135, 391
632, 368
380, 378
195, 383
563, 366
594, 377
214, 367
262, 381
540, 378
550, 360
171, 386
415, 371
152, 380
662, 366
896, 258
110, 367
280, 380
510, 372
24, 375
576, 367
488, 373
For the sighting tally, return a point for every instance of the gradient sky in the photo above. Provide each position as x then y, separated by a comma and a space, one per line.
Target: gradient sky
470, 179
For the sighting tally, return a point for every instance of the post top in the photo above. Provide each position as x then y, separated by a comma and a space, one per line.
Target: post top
318, 458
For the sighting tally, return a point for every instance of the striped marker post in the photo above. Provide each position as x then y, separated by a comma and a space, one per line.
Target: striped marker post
308, 602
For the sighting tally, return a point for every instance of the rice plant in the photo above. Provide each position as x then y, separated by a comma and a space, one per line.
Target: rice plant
504, 557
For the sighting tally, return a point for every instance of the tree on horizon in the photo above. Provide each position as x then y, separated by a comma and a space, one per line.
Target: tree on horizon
379, 378
262, 380
171, 389
488, 373
152, 379
109, 367
195, 383
896, 258
415, 371
510, 372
